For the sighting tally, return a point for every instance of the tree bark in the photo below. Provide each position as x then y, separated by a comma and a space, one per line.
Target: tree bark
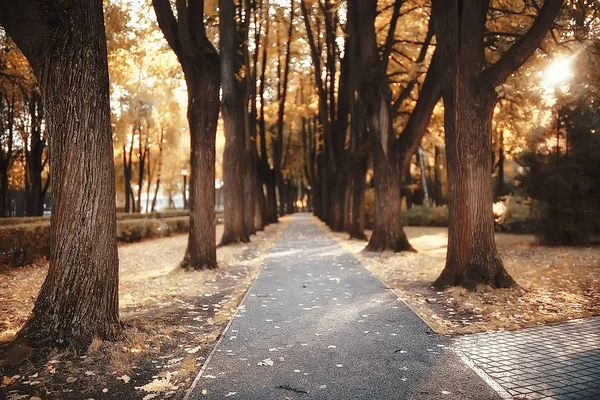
67, 50
388, 232
233, 156
469, 100
201, 67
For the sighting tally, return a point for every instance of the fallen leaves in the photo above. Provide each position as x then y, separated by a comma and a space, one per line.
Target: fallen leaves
264, 362
557, 283
158, 385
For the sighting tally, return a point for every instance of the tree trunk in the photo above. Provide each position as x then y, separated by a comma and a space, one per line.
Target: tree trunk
159, 169
35, 157
201, 67
79, 298
438, 197
501, 190
271, 194
472, 255
3, 191
388, 232
357, 229
203, 113
233, 156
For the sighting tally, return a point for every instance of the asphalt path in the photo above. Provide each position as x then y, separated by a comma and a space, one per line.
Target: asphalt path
317, 325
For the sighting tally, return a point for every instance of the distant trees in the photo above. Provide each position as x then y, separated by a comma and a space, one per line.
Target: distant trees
565, 186
69, 59
23, 147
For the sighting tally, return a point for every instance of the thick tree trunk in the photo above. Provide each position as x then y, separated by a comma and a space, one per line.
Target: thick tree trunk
203, 82
233, 156
79, 298
271, 196
3, 191
388, 232
472, 255
469, 101
357, 229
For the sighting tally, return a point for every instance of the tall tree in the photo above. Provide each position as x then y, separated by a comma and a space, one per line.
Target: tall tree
388, 232
282, 91
7, 139
36, 156
234, 230
200, 62
65, 44
469, 92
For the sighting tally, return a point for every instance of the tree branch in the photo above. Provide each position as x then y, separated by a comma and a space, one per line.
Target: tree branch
168, 25
27, 24
525, 46
389, 40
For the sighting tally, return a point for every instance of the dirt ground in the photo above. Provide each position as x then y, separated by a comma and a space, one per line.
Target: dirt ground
556, 283
173, 319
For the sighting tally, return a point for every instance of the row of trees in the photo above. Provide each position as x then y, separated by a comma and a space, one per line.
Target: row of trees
376, 78
22, 137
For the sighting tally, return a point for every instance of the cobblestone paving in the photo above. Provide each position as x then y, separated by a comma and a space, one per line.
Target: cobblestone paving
551, 362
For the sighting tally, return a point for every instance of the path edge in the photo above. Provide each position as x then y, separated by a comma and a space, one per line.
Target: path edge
194, 384
339, 241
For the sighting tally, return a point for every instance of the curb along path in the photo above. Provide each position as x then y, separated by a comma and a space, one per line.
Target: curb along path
317, 325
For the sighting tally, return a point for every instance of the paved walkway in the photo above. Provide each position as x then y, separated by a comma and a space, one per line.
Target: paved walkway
547, 362
318, 325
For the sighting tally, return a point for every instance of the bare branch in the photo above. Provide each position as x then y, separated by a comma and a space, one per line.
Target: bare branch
525, 46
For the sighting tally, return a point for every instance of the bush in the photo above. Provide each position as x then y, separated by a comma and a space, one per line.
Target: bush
519, 216
426, 216
566, 187
120, 217
24, 244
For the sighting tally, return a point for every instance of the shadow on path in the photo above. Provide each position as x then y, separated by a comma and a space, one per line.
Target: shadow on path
317, 325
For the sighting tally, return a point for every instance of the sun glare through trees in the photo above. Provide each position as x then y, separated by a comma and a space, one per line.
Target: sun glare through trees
299, 199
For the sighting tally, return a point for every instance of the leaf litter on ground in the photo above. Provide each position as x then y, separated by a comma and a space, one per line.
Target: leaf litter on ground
172, 317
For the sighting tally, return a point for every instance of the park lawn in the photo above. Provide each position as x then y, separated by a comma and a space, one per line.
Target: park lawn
556, 283
173, 319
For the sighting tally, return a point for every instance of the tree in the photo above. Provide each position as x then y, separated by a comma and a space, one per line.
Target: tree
469, 93
200, 62
375, 96
234, 230
65, 44
282, 91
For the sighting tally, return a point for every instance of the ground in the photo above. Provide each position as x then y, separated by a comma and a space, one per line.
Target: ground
556, 283
173, 319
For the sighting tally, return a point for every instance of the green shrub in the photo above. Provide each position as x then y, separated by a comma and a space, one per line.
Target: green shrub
120, 217
24, 244
519, 217
566, 187
426, 216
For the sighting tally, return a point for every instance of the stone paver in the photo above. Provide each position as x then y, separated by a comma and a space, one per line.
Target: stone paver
317, 325
549, 362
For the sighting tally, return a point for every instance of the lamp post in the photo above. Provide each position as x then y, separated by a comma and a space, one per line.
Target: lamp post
184, 173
